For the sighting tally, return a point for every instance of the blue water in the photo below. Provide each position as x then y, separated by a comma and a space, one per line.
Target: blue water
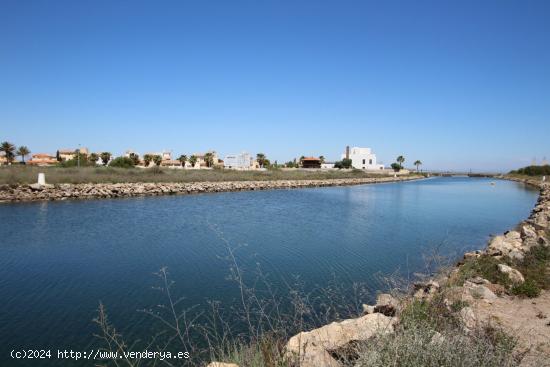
59, 259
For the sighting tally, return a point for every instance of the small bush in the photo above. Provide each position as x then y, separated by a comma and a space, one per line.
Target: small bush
122, 162
529, 289
484, 266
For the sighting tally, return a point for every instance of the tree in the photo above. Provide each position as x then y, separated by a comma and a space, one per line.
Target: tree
396, 167
147, 158
193, 160
182, 158
209, 159
322, 159
301, 160
8, 149
260, 157
417, 163
93, 158
122, 162
22, 152
344, 163
400, 160
135, 158
105, 157
157, 159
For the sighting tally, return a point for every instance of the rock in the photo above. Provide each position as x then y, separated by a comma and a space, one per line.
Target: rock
514, 275
516, 255
528, 231
479, 280
479, 291
386, 304
468, 318
221, 364
312, 348
367, 309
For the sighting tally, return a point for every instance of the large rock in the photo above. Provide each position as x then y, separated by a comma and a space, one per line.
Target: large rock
468, 318
312, 348
514, 275
386, 304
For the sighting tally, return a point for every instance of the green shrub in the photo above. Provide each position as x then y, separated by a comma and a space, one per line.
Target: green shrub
529, 289
122, 162
484, 266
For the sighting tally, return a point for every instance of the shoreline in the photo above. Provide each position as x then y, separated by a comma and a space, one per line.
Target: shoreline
59, 192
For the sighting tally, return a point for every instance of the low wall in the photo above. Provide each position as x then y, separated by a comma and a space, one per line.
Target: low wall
106, 190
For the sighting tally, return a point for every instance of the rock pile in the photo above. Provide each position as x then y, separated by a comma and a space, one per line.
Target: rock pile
36, 192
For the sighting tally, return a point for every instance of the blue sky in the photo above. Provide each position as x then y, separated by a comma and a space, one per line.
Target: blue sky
457, 84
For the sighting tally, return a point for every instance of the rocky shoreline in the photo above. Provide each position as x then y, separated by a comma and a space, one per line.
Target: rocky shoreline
35, 192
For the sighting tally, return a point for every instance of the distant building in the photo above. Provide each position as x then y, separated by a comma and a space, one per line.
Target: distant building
311, 162
3, 159
243, 161
327, 165
68, 154
42, 159
362, 158
201, 161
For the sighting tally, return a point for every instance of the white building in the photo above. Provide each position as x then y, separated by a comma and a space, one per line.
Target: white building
362, 158
243, 161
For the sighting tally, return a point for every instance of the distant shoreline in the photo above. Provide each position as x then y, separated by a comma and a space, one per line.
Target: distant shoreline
59, 192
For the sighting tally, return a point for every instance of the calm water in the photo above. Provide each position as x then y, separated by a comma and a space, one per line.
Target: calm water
59, 259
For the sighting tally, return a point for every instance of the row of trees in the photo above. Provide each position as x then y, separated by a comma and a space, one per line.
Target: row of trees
10, 151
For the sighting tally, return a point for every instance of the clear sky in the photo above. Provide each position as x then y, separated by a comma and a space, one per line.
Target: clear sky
457, 84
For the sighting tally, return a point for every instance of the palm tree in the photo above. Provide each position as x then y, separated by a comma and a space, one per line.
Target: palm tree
105, 157
400, 160
147, 158
182, 159
260, 157
193, 160
417, 163
322, 159
8, 149
209, 159
23, 151
93, 158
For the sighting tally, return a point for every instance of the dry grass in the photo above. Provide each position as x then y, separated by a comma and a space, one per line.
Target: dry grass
26, 174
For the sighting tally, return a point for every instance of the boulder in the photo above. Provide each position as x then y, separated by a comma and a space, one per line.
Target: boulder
312, 348
386, 304
514, 275
367, 309
478, 291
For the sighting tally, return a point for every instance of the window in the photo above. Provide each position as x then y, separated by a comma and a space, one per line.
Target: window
363, 161
370, 161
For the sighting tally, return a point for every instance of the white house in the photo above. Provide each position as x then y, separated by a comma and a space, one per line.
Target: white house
243, 161
362, 158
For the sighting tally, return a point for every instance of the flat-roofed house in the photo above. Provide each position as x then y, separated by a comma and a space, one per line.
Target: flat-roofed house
362, 158
243, 161
3, 159
42, 159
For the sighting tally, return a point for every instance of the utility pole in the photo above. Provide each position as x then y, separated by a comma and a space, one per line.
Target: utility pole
78, 156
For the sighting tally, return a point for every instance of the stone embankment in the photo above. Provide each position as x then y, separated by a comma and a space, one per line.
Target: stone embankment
36, 192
